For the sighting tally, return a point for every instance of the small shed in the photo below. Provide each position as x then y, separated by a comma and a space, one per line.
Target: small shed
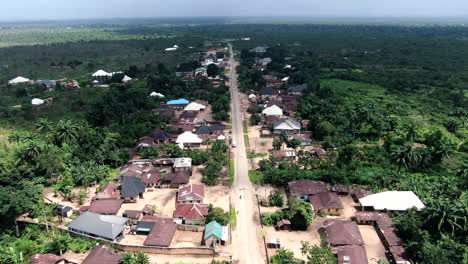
215, 234
283, 224
274, 243
65, 211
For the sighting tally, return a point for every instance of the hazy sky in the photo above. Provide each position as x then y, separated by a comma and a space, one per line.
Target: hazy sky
71, 9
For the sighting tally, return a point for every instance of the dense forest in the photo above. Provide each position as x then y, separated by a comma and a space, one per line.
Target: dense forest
390, 103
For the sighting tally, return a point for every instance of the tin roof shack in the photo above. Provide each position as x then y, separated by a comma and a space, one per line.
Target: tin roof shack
162, 233
107, 227
132, 189
302, 189
353, 254
105, 207
109, 191
288, 126
191, 213
283, 155
102, 254
215, 234
176, 179
342, 233
161, 137
47, 259
327, 203
183, 164
283, 224
191, 193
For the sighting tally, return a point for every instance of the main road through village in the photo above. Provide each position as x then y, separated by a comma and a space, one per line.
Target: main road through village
246, 239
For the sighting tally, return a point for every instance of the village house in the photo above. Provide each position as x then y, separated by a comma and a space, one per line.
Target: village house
194, 106
268, 93
145, 142
353, 254
164, 110
103, 254
18, 80
215, 234
152, 178
184, 70
188, 140
191, 193
64, 211
161, 137
342, 233
109, 191
303, 189
132, 189
162, 232
132, 170
273, 110
134, 215
283, 155
176, 179
183, 164
105, 207
107, 227
303, 138
48, 259
327, 203
297, 90
191, 213
288, 126
178, 104
391, 201
264, 61
259, 49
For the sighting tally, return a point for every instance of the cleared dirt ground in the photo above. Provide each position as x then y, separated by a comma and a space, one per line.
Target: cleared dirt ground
163, 199
374, 248
187, 239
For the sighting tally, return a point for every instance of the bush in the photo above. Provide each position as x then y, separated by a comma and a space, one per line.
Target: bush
276, 199
270, 219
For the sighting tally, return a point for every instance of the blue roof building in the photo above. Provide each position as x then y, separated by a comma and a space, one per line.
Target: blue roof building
215, 234
180, 101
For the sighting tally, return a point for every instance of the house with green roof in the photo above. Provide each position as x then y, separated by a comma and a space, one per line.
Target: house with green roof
215, 234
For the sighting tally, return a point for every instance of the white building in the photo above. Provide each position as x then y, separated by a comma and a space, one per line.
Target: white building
18, 80
272, 111
188, 139
155, 94
37, 101
392, 201
194, 106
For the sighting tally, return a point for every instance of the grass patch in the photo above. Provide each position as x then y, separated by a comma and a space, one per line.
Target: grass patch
255, 176
247, 143
233, 217
244, 126
256, 155
231, 172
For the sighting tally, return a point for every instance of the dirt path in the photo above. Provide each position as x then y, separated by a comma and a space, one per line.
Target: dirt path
246, 239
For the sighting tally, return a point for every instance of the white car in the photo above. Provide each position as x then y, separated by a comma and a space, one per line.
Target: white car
233, 144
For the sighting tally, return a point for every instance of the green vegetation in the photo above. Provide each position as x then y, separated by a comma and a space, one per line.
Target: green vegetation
34, 240
219, 215
256, 155
138, 257
391, 114
244, 127
276, 198
233, 217
232, 172
299, 212
255, 177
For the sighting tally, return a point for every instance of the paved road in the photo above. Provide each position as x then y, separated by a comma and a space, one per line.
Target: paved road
247, 242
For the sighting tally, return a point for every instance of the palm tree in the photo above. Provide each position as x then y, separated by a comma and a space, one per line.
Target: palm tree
411, 131
65, 131
449, 216
43, 125
405, 156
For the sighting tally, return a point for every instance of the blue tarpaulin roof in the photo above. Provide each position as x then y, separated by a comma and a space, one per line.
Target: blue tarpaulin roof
178, 101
